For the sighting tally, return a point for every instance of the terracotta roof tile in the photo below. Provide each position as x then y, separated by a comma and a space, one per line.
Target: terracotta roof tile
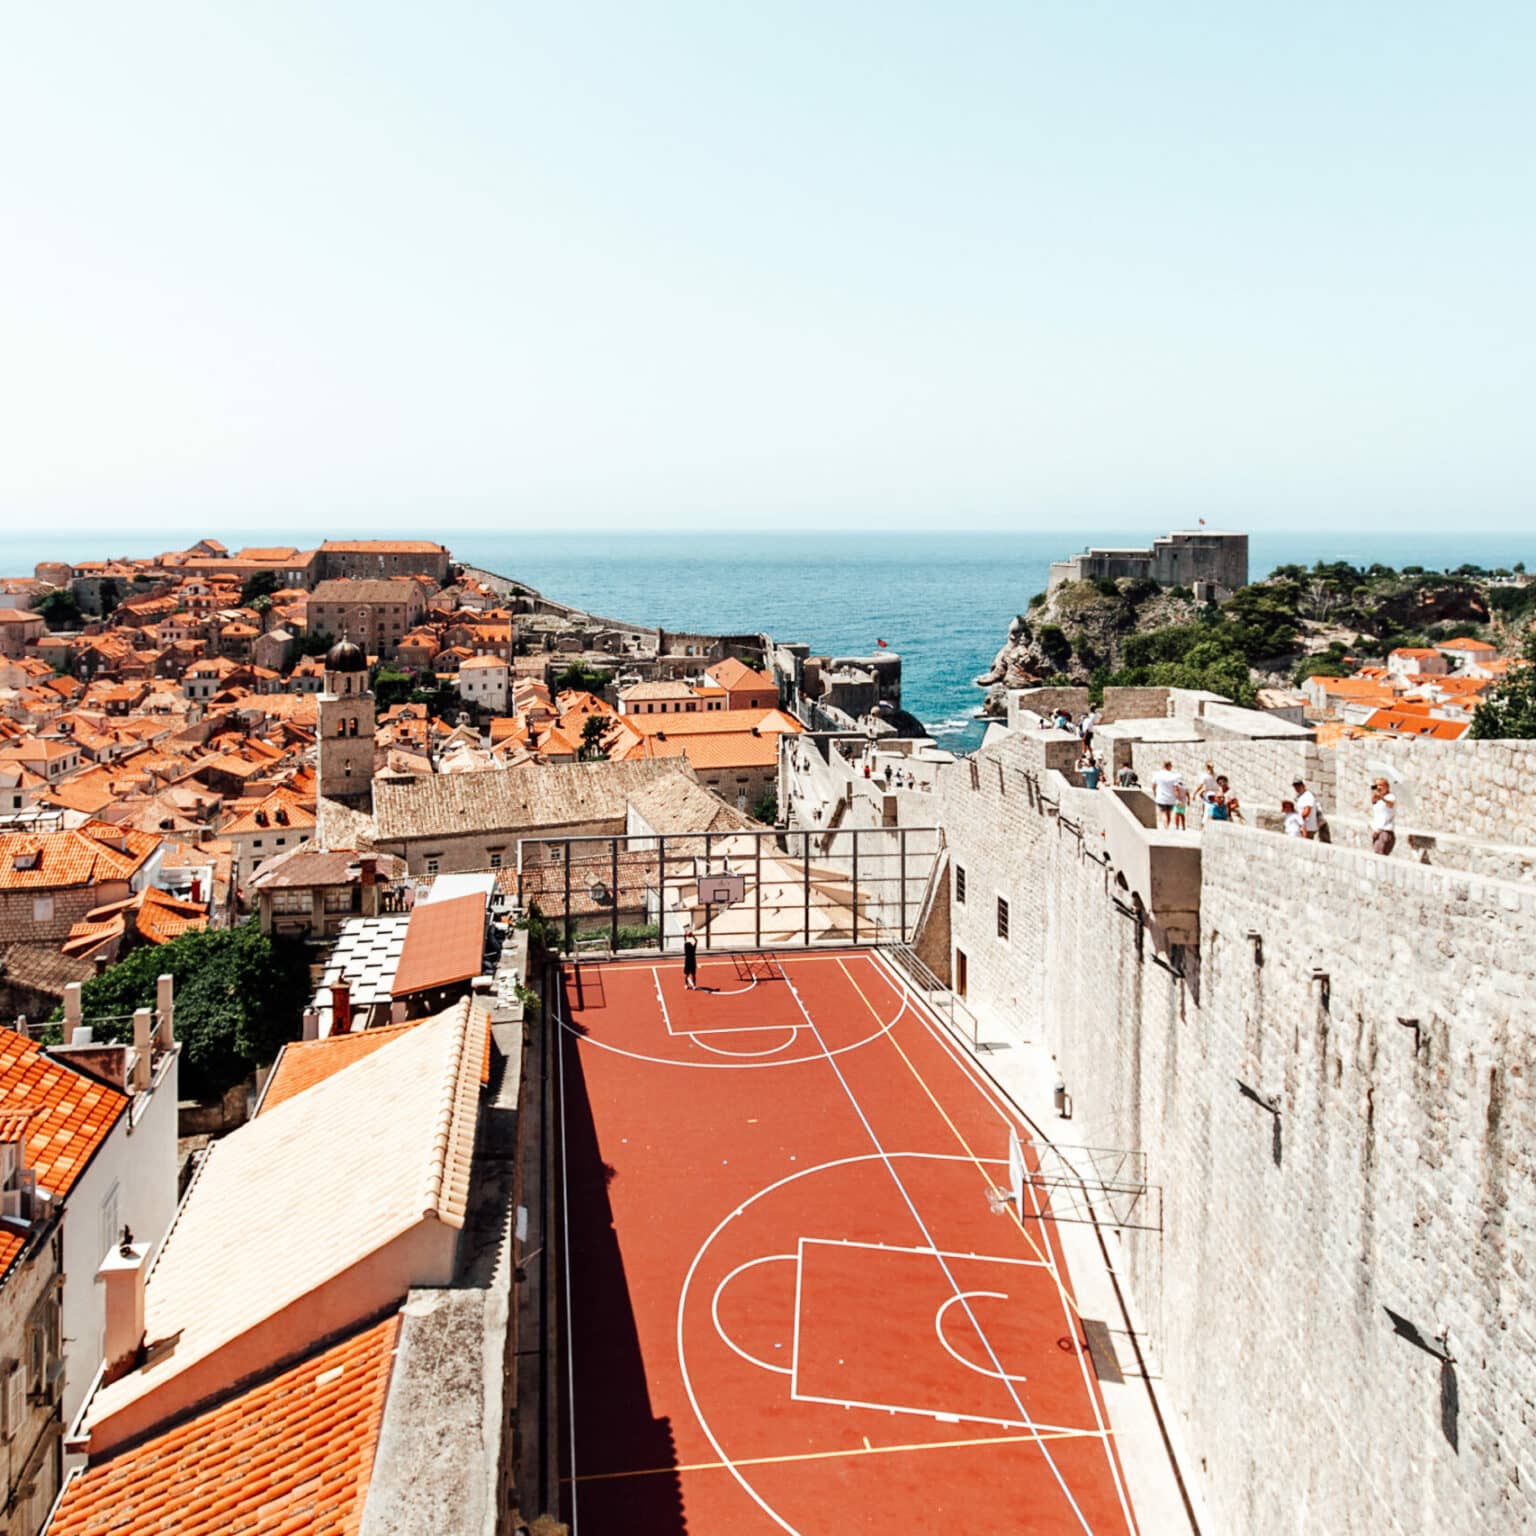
294, 1453
444, 943
70, 1116
303, 1063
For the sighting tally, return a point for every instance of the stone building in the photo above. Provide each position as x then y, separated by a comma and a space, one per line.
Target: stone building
344, 728
1324, 1057
1203, 560
374, 613
360, 558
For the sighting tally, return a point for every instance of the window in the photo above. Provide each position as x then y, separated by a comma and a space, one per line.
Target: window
495, 860
1002, 919
432, 864
109, 1229
42, 909
959, 885
291, 903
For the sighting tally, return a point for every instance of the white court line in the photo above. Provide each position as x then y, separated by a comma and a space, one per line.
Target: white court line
1014, 1120
723, 1029
932, 1253
773, 1050
721, 1066
858, 1109
714, 1307
949, 1349
565, 1216
698, 1258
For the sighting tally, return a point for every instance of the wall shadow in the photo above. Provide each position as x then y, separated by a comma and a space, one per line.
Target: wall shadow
615, 1429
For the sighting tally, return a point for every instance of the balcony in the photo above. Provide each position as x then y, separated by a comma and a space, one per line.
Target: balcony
1161, 869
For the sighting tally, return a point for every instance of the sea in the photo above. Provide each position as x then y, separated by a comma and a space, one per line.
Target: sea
942, 602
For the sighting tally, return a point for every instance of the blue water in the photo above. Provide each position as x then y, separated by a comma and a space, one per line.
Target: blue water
941, 601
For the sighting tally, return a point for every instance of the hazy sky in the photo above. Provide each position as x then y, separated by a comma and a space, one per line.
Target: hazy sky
1031, 265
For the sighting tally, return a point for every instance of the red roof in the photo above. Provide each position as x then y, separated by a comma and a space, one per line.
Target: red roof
444, 943
69, 1115
292, 1454
303, 1063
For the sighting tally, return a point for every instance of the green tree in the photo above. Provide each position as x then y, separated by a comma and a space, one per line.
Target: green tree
258, 584
59, 610
1508, 712
582, 678
767, 809
316, 644
391, 686
111, 594
239, 995
592, 734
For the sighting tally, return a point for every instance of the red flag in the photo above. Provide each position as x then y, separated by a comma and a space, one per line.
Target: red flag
881, 644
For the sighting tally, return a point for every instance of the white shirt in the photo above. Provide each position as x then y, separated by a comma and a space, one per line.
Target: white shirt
1292, 824
1383, 814
1165, 787
1306, 808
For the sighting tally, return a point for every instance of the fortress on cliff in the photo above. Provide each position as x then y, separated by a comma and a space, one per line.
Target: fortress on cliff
1209, 563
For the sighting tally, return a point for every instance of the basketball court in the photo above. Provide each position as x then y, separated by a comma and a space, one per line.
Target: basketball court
808, 1285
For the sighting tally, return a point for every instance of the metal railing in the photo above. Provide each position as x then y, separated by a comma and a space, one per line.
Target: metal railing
940, 998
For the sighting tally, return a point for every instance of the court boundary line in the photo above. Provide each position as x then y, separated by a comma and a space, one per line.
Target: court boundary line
1015, 1119
570, 1320
923, 1228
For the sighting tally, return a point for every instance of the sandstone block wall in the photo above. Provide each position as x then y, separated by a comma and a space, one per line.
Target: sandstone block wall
1261, 772
1396, 1170
1481, 789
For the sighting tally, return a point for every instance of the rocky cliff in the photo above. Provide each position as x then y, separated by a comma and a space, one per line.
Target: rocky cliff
1078, 629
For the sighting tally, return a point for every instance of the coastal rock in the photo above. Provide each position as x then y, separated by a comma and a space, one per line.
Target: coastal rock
1077, 629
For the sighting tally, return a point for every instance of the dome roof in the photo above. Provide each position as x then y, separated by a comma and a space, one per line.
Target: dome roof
345, 657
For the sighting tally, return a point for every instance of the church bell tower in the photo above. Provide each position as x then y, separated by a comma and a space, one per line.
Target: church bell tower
346, 728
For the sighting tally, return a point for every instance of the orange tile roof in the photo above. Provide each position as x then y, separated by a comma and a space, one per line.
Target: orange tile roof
303, 1063
293, 1454
1415, 650
70, 1116
735, 675
716, 722
88, 855
444, 943
1397, 723
384, 547
1464, 643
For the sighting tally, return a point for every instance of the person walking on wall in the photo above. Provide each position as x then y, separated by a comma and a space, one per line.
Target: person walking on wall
1383, 818
690, 960
1166, 785
1306, 808
1207, 791
1292, 820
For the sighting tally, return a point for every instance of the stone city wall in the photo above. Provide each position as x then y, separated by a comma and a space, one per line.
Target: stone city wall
1260, 771
1481, 789
1396, 1170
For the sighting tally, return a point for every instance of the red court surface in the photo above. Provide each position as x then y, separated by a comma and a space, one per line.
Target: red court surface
789, 1303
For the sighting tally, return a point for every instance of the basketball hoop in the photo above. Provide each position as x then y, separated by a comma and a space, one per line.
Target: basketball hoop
721, 890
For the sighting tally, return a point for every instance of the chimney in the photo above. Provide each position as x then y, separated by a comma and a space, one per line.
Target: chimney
165, 996
139, 1079
341, 1008
122, 1272
71, 1011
